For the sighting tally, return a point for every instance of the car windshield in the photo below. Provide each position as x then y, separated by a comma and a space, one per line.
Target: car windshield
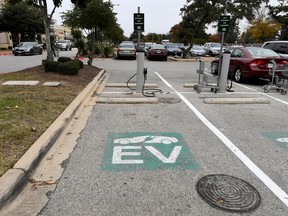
27, 44
158, 46
215, 45
148, 44
126, 45
197, 47
61, 41
261, 52
172, 46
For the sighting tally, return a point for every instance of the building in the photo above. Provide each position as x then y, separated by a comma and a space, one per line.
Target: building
5, 37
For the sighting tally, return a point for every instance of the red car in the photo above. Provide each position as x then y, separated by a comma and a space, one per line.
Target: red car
250, 62
157, 51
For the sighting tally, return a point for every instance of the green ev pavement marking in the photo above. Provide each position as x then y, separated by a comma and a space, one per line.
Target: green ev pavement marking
281, 138
147, 151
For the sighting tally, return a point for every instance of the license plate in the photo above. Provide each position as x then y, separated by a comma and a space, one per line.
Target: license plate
158, 51
270, 65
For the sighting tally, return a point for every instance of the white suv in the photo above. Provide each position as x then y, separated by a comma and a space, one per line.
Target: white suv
212, 49
280, 47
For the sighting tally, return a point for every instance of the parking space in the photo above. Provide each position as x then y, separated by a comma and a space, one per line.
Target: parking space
146, 159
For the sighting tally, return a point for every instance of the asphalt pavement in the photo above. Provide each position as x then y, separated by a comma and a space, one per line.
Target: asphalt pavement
177, 155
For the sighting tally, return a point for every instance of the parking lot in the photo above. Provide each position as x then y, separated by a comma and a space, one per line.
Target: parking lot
122, 165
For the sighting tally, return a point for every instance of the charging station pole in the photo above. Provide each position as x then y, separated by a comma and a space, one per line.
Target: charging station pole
224, 71
139, 26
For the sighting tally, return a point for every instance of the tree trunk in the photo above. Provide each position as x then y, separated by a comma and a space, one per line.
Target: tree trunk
47, 22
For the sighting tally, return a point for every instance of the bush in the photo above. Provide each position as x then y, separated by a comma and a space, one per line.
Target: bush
51, 66
79, 62
64, 59
68, 68
108, 51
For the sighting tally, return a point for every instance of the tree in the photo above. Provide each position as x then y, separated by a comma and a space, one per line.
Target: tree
279, 12
21, 19
264, 30
47, 17
197, 14
96, 19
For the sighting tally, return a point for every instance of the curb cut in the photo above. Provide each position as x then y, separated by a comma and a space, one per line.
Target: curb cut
15, 178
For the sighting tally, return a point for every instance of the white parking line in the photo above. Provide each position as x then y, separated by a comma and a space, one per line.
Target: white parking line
282, 195
267, 95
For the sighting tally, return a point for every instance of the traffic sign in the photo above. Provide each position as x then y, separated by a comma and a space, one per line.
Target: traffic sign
223, 24
138, 21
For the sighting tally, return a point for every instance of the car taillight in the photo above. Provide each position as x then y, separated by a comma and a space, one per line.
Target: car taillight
258, 63
283, 63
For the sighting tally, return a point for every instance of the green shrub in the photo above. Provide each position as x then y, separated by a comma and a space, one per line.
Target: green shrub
78, 62
51, 66
64, 59
108, 51
68, 68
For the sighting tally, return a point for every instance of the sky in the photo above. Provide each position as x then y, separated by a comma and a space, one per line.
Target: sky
160, 15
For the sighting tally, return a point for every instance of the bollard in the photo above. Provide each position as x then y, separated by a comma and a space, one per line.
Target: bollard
224, 71
140, 75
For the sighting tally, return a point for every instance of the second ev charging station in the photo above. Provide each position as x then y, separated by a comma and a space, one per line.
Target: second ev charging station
139, 27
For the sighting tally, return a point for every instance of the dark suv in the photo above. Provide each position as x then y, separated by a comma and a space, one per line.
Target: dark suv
280, 47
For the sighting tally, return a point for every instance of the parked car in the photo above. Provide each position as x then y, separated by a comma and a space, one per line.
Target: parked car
28, 48
147, 45
157, 51
250, 62
181, 46
126, 50
173, 49
280, 47
64, 44
197, 50
212, 49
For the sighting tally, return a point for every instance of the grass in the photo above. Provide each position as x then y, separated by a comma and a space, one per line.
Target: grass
27, 111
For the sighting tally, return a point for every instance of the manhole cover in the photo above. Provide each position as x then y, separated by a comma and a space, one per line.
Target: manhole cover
169, 100
228, 193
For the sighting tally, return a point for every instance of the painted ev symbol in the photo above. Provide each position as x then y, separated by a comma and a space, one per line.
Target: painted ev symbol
147, 139
283, 140
147, 151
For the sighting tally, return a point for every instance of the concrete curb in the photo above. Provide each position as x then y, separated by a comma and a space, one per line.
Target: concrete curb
14, 179
237, 101
108, 100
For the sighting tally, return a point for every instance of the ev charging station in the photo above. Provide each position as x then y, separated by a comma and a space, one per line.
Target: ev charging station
224, 59
139, 27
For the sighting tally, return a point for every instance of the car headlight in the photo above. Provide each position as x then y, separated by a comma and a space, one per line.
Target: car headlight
27, 49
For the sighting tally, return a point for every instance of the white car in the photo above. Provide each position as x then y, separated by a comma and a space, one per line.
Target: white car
64, 44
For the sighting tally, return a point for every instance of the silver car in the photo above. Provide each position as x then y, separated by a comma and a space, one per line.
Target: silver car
126, 50
197, 50
64, 44
28, 48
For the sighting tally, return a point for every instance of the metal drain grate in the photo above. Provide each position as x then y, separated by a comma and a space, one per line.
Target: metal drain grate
169, 100
228, 193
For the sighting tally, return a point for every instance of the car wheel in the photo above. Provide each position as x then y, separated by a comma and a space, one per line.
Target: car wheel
15, 54
238, 75
31, 52
165, 59
210, 53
